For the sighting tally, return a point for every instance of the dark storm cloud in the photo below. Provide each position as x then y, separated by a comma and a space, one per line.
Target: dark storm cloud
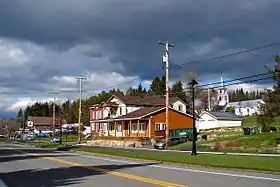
128, 31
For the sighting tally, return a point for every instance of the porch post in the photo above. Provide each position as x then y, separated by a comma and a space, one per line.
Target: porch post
122, 128
138, 128
149, 126
109, 127
115, 127
129, 128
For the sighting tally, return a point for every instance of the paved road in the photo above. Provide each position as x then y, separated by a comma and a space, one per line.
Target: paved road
28, 167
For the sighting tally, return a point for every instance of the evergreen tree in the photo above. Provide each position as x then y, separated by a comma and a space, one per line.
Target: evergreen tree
271, 108
20, 113
157, 86
178, 91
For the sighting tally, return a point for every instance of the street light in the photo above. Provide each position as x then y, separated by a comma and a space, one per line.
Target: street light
192, 85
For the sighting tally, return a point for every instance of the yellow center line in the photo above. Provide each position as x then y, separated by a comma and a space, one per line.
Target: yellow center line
106, 171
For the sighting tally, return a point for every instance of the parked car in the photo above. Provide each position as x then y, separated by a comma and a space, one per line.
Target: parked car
172, 141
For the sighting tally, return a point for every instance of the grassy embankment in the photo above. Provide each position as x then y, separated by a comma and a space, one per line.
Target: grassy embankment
225, 161
261, 143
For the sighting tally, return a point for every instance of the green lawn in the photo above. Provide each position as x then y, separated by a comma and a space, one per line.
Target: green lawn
252, 121
239, 142
241, 162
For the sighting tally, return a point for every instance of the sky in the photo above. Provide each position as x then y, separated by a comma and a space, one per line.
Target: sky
45, 44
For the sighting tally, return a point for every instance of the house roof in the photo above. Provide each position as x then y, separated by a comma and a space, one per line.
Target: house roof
144, 101
244, 104
141, 113
223, 115
37, 120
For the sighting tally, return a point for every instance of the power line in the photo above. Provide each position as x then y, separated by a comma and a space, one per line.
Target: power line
238, 79
208, 59
229, 55
231, 84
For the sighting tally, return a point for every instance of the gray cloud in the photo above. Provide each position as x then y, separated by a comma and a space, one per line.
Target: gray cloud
68, 38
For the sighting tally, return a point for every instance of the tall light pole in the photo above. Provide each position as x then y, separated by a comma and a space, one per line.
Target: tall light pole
165, 59
192, 85
80, 108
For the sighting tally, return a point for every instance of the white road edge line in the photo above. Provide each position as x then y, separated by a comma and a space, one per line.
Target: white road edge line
2, 184
186, 169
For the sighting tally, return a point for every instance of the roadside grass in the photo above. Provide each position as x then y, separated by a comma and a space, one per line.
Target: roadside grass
187, 146
261, 143
7, 140
65, 138
225, 161
239, 142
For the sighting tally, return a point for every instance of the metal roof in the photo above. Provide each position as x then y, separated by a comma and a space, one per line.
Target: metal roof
244, 104
225, 115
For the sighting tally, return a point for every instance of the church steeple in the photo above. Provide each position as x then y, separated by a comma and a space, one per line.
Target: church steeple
223, 98
222, 81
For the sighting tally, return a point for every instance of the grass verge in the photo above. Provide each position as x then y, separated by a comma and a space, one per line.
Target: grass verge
271, 164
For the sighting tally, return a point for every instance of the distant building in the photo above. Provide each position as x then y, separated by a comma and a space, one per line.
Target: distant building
212, 120
246, 108
222, 95
42, 123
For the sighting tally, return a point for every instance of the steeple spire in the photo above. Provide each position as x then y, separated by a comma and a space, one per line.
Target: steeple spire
222, 81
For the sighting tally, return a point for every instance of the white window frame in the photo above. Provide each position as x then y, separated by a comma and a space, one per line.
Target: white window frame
132, 127
180, 107
119, 127
160, 126
141, 127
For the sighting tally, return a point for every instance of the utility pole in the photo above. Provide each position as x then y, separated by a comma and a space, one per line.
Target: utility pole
209, 99
80, 109
53, 119
165, 59
23, 124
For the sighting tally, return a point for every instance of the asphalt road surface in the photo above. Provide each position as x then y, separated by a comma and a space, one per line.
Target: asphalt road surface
28, 167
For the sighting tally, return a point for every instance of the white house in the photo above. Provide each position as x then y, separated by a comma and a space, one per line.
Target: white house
212, 120
121, 105
246, 108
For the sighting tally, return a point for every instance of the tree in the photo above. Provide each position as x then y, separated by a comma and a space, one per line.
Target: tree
19, 114
271, 108
157, 86
178, 90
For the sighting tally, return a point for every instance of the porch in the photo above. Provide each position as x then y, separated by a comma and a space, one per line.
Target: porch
125, 128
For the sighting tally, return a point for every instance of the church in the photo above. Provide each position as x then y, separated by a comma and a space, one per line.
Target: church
241, 108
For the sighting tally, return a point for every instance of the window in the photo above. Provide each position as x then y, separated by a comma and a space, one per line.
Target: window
134, 127
98, 115
160, 126
180, 107
142, 127
126, 110
111, 127
119, 128
93, 115
120, 110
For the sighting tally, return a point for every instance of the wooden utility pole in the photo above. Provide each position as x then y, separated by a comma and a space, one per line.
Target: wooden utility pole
166, 61
80, 109
53, 116
23, 124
